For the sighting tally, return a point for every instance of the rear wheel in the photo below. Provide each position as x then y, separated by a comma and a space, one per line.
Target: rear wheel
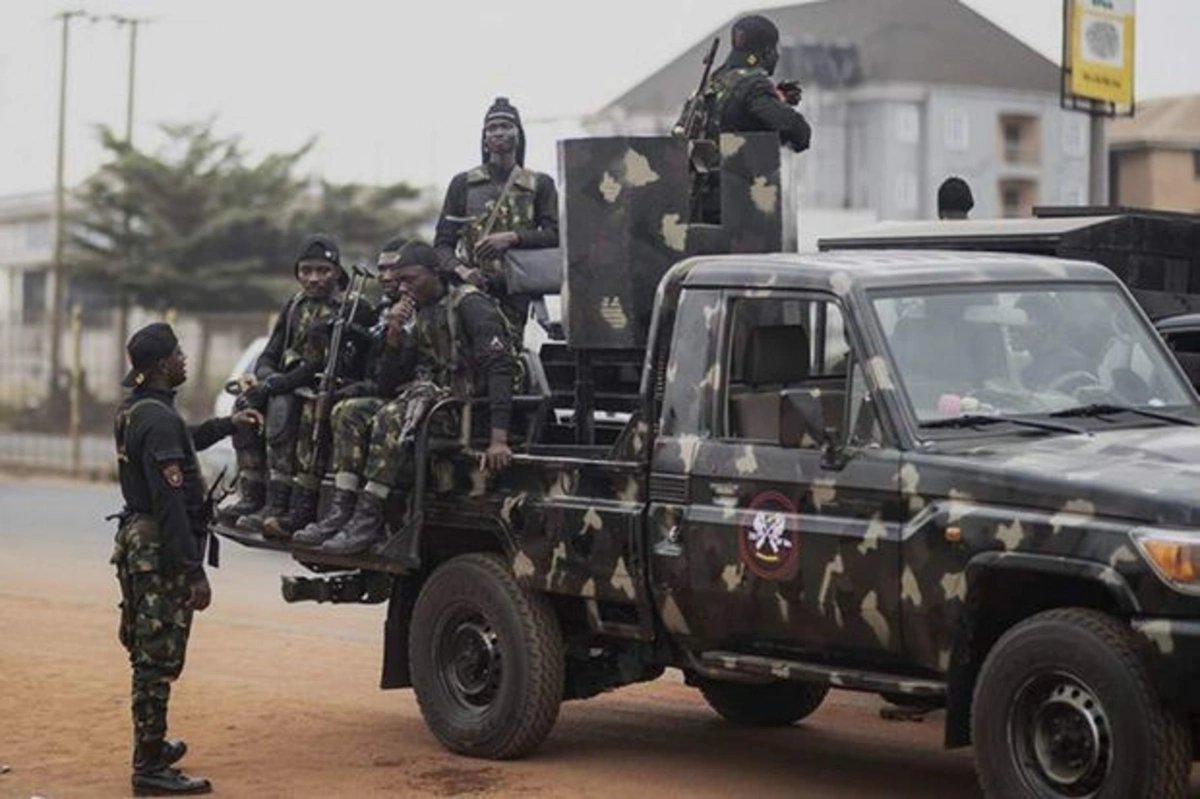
775, 704
1064, 707
487, 659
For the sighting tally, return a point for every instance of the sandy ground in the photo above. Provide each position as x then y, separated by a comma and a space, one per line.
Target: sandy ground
282, 700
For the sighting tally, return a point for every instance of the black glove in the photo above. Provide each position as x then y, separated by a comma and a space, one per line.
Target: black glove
789, 91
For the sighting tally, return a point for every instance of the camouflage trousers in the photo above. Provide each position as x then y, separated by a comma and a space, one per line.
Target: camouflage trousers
352, 421
390, 453
296, 455
155, 623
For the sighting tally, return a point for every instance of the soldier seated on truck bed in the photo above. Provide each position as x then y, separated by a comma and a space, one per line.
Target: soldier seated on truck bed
450, 341
290, 361
357, 404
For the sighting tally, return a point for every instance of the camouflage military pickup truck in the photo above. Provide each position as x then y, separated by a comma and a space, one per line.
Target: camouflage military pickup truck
892, 472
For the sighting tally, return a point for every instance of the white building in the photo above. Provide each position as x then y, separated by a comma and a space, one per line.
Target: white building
901, 94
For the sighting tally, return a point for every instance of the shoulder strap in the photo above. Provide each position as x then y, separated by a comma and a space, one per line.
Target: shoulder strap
495, 214
124, 418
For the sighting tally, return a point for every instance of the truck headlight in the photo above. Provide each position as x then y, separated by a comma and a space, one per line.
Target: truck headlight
1174, 556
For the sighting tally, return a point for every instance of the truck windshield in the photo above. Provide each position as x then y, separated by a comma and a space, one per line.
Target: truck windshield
1037, 349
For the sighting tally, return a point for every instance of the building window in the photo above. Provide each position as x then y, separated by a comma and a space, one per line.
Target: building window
1017, 198
1196, 164
958, 130
33, 295
908, 124
1019, 140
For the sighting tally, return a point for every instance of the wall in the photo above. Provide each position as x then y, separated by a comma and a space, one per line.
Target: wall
1162, 179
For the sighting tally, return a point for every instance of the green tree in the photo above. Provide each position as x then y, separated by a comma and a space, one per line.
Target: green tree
198, 225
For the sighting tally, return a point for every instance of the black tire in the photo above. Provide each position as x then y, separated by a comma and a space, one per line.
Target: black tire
487, 659
775, 704
1051, 690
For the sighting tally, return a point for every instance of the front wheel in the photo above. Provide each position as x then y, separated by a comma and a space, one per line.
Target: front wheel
1064, 707
487, 659
775, 704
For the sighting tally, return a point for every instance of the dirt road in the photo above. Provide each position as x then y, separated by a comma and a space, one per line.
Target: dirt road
280, 700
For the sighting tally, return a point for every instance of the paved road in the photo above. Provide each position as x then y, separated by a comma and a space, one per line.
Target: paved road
281, 700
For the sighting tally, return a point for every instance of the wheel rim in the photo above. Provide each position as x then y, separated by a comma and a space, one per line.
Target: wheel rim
1060, 735
468, 659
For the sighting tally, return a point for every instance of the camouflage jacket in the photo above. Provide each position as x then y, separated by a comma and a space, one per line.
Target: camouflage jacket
741, 98
463, 342
291, 346
529, 208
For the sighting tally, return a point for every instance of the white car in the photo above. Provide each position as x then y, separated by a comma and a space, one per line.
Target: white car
220, 455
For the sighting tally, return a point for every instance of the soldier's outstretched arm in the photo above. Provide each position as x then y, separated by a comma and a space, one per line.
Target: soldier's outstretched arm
765, 106
210, 431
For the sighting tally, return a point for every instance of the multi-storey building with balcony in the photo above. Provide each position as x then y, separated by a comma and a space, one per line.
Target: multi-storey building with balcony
902, 94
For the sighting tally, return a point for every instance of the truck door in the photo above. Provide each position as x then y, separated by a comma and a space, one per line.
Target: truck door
784, 548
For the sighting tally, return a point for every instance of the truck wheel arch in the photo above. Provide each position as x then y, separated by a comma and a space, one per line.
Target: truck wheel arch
1004, 589
438, 544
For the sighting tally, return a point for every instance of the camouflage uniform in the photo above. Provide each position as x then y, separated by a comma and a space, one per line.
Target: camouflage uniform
295, 455
442, 369
158, 555
352, 421
155, 622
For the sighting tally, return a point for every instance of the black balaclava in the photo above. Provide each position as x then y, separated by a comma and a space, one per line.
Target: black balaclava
321, 248
502, 109
753, 39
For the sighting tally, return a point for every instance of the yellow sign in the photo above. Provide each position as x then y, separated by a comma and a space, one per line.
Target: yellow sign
1100, 50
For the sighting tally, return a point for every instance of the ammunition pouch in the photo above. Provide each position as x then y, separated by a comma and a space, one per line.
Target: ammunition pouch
283, 419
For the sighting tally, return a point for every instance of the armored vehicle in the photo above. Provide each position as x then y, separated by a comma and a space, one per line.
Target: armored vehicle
892, 472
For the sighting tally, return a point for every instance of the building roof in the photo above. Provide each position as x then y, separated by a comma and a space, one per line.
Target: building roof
1167, 123
900, 41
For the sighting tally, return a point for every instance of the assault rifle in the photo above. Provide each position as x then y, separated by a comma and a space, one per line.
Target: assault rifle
327, 382
694, 118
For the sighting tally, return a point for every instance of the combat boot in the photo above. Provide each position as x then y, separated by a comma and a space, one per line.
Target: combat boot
341, 510
303, 511
152, 776
251, 496
364, 529
279, 492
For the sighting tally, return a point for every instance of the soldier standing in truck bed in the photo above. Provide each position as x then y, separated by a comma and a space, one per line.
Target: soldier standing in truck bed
740, 97
160, 545
494, 207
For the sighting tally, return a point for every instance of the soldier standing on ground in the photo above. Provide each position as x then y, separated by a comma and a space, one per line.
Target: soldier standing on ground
497, 206
449, 341
741, 98
290, 361
160, 545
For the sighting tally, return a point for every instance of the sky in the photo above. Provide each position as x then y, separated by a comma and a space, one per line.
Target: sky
396, 89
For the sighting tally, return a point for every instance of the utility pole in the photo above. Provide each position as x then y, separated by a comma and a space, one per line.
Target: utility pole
59, 292
1098, 160
122, 331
